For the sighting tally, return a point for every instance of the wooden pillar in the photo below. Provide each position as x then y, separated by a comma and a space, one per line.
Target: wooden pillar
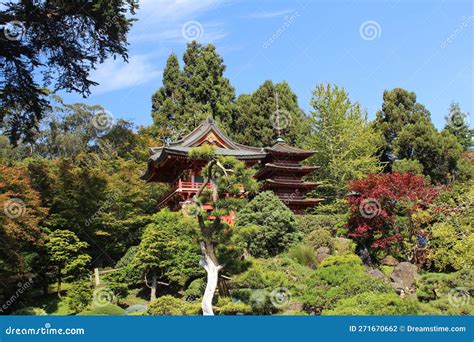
96, 277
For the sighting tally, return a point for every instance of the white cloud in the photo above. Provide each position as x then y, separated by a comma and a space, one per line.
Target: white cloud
162, 20
116, 74
159, 23
267, 15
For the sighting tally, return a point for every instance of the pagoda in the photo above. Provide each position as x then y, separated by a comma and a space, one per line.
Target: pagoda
280, 168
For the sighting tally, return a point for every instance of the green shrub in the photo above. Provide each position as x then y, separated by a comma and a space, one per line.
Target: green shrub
452, 245
329, 222
304, 255
195, 290
339, 277
226, 306
370, 303
446, 294
344, 246
107, 310
30, 311
320, 238
79, 296
340, 260
169, 306
278, 226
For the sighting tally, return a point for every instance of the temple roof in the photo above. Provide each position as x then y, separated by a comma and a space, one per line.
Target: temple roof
206, 132
281, 147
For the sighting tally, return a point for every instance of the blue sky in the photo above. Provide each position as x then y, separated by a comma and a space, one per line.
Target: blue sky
365, 46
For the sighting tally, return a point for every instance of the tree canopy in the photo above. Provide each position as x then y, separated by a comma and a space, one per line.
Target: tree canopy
62, 41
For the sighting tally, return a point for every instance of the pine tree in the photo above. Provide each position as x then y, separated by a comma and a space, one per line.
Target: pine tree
456, 124
191, 95
409, 134
257, 121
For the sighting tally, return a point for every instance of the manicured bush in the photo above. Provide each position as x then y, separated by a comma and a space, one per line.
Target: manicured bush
195, 290
79, 296
446, 293
339, 277
107, 310
370, 303
320, 238
279, 225
226, 306
30, 311
171, 306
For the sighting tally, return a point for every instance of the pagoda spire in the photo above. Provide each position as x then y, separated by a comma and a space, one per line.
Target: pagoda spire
277, 119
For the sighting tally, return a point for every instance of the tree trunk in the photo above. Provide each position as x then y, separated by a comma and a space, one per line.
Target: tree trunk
209, 262
59, 286
154, 280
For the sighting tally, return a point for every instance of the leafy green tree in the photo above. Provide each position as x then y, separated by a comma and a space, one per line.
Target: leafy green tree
257, 123
457, 124
80, 35
409, 134
168, 251
277, 225
225, 179
346, 145
191, 95
66, 258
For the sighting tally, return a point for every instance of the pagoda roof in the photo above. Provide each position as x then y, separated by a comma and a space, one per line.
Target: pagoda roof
206, 132
282, 147
289, 183
209, 129
274, 168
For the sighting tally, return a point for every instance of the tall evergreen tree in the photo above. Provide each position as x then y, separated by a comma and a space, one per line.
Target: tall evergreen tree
456, 124
345, 144
409, 134
190, 95
257, 121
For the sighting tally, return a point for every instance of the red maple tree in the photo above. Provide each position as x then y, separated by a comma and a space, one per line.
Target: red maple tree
378, 200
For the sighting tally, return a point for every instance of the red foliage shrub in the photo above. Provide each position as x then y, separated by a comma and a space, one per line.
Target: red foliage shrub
380, 198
